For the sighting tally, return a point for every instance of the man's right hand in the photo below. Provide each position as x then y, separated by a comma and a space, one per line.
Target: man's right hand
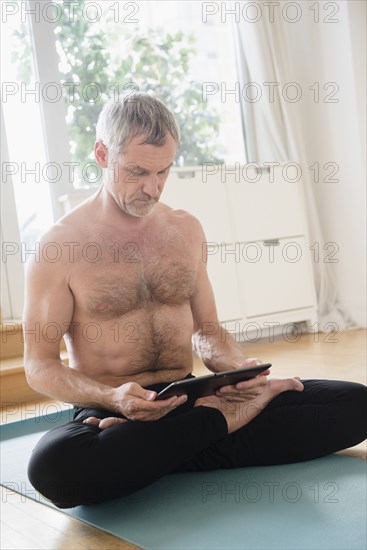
136, 403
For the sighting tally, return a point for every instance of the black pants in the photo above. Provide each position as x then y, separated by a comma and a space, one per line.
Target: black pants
82, 464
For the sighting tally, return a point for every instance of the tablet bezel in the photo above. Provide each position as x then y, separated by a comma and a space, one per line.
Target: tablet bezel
202, 386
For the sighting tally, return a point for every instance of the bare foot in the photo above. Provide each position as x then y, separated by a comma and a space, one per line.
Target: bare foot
239, 413
105, 422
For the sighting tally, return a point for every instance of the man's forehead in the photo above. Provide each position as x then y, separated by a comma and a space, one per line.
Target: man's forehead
146, 153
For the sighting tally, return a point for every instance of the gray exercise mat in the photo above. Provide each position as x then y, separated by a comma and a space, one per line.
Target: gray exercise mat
319, 504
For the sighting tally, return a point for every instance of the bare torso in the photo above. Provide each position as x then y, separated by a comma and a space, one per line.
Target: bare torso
132, 319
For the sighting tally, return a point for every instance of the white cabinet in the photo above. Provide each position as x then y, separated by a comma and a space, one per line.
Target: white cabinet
223, 277
264, 209
275, 277
259, 257
207, 201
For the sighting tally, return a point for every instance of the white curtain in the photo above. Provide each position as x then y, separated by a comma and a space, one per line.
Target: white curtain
273, 134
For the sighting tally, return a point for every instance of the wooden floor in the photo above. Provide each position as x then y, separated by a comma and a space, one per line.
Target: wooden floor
26, 524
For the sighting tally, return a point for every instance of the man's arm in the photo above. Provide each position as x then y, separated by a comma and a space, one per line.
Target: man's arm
213, 344
49, 306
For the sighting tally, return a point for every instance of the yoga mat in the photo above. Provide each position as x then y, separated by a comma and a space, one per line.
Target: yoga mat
319, 504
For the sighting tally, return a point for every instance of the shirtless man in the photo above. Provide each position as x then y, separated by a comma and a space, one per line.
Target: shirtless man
131, 294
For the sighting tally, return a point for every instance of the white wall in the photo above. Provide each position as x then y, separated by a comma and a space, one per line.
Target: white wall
335, 132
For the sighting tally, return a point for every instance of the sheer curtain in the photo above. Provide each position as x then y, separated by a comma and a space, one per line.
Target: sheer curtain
273, 134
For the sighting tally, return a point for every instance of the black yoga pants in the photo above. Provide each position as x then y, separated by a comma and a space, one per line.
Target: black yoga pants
82, 464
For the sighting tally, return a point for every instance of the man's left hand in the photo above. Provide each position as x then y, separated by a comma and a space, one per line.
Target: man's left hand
248, 388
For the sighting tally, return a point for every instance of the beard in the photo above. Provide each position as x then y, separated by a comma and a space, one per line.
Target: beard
140, 210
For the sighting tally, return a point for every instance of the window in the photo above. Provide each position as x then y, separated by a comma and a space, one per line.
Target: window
26, 199
105, 48
26, 167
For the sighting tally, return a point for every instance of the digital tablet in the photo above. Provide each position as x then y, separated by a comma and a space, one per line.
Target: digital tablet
202, 386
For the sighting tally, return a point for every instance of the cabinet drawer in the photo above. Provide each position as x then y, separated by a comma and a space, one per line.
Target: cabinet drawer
223, 277
185, 189
265, 209
275, 278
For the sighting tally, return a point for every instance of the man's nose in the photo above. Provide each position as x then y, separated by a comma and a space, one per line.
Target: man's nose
151, 186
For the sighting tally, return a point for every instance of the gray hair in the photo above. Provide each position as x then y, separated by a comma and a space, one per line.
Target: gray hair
133, 115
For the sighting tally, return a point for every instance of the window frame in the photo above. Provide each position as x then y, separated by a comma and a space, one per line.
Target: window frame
56, 144
12, 271
55, 133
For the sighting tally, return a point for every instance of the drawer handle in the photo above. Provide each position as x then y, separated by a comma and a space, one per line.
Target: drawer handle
186, 174
272, 242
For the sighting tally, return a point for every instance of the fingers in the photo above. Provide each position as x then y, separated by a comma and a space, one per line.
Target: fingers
111, 421
287, 384
232, 390
137, 403
259, 380
171, 402
140, 409
178, 400
294, 384
246, 385
105, 422
298, 386
167, 404
253, 362
256, 386
135, 390
92, 420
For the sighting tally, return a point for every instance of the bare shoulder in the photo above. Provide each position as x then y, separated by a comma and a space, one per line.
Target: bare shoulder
58, 247
67, 229
184, 221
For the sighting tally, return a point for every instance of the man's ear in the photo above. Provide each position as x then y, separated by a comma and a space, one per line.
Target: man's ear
101, 154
